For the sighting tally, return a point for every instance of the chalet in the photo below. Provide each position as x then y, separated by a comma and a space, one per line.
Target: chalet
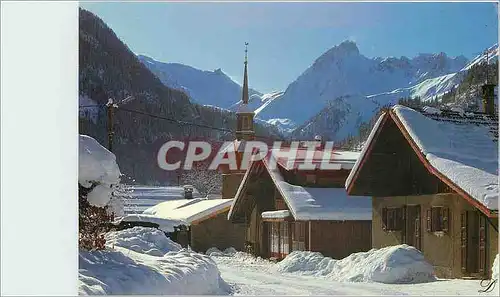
199, 223
433, 178
284, 209
280, 209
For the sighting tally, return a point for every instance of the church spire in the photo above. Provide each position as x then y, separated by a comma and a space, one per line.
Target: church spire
244, 115
244, 96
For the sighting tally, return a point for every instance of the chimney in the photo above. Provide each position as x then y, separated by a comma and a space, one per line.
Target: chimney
488, 98
188, 192
319, 139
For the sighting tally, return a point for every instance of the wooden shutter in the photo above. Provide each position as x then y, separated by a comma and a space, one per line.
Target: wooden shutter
463, 240
384, 219
399, 219
418, 244
404, 224
428, 220
390, 219
435, 219
482, 244
445, 225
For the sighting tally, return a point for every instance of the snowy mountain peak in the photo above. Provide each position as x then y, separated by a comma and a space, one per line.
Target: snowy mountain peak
346, 48
344, 71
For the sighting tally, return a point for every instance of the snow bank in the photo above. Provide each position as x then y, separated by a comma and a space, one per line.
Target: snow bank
230, 256
97, 164
494, 269
127, 272
142, 240
143, 262
391, 265
215, 252
165, 225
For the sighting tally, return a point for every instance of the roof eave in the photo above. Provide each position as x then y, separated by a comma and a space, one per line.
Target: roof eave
357, 169
240, 190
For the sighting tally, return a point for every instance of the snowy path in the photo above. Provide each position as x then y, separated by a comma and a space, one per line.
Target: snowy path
248, 276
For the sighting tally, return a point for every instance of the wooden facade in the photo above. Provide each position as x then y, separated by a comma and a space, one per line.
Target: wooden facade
454, 236
414, 205
217, 232
277, 237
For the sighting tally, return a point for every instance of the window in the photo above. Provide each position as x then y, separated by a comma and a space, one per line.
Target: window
245, 123
284, 248
299, 236
274, 238
392, 219
437, 219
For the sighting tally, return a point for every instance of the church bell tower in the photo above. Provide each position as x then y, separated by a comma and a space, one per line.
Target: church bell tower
244, 114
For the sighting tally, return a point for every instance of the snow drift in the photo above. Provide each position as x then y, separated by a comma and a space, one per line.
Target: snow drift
124, 271
392, 265
215, 252
143, 240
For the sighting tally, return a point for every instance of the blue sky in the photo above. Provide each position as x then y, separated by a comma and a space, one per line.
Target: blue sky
286, 38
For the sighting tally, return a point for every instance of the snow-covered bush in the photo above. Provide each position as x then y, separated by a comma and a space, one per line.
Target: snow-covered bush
98, 177
143, 240
392, 265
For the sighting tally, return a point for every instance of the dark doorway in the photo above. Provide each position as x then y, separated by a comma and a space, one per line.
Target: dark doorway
412, 231
473, 238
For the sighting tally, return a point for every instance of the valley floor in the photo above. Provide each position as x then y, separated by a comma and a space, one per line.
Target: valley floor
249, 276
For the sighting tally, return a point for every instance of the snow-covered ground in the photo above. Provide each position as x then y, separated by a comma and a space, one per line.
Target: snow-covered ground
247, 275
143, 261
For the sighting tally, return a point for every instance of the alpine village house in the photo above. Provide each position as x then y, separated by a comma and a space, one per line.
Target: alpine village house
433, 179
283, 209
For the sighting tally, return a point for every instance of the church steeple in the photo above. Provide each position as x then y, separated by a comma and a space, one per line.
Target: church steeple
244, 115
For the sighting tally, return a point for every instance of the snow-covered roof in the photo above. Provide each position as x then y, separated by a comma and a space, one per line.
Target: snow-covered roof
464, 152
166, 225
344, 159
306, 203
461, 149
188, 211
144, 197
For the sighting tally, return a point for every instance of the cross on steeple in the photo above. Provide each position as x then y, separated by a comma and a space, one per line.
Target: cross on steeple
246, 53
244, 97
